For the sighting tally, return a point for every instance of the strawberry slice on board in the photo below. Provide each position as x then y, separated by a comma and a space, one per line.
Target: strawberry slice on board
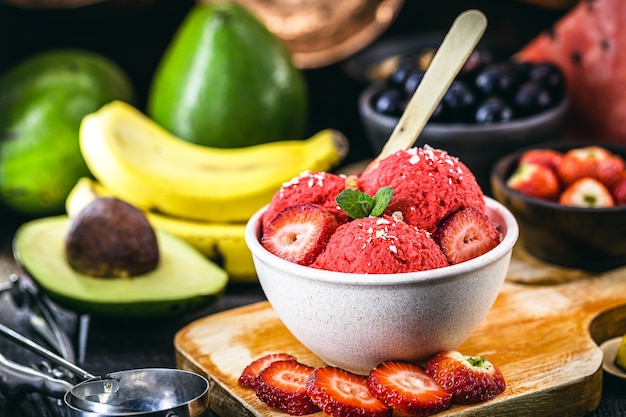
282, 386
299, 233
250, 372
470, 379
466, 234
587, 192
407, 387
342, 393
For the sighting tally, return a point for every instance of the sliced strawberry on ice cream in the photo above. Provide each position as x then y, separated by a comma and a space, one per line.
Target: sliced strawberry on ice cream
282, 386
341, 393
299, 233
466, 234
250, 372
407, 387
470, 379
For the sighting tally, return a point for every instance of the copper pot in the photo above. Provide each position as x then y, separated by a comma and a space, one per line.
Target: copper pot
322, 32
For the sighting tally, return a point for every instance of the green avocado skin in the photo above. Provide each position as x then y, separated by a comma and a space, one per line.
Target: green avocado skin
42, 102
226, 81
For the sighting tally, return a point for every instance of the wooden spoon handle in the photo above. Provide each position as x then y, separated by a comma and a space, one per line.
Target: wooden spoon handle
456, 47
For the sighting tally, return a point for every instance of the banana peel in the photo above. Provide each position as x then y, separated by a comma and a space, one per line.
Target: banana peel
223, 243
147, 166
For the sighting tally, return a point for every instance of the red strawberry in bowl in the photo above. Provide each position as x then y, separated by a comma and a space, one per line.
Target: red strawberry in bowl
535, 180
590, 161
470, 379
587, 192
548, 157
618, 190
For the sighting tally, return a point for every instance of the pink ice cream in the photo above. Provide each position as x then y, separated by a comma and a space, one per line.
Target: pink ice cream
428, 185
380, 245
319, 188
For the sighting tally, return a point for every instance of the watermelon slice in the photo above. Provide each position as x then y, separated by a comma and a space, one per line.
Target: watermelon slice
589, 45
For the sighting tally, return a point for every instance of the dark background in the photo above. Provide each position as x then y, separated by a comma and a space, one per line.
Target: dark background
134, 34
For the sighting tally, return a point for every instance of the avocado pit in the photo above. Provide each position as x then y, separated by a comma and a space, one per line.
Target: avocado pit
110, 238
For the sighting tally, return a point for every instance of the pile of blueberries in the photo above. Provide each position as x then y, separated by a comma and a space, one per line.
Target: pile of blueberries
485, 91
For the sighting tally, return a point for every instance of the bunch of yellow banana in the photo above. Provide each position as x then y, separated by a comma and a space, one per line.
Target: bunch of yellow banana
201, 194
142, 163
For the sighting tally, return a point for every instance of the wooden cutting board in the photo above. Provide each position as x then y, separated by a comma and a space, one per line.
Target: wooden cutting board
544, 336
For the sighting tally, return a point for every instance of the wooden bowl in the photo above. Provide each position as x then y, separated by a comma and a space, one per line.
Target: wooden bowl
592, 239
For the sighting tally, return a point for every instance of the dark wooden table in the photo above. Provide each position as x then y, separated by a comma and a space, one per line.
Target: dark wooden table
135, 38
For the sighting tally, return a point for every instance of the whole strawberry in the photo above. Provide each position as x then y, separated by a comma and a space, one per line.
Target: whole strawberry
535, 180
587, 192
470, 379
618, 190
547, 157
590, 161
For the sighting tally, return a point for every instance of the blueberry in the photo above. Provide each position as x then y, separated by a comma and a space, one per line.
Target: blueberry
550, 76
522, 70
439, 114
492, 110
412, 80
497, 79
478, 59
458, 101
404, 67
389, 102
532, 98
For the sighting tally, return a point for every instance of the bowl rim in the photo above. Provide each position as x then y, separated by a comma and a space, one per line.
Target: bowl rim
506, 163
508, 221
554, 113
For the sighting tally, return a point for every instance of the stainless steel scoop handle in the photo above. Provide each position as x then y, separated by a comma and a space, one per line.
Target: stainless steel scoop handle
18, 379
51, 356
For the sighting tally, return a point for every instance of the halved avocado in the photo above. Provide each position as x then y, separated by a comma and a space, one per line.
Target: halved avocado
183, 281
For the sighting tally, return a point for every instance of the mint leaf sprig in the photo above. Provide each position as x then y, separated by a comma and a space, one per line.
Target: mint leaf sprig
358, 204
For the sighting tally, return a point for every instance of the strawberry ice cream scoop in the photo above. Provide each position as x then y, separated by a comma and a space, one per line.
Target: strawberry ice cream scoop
380, 245
428, 185
319, 188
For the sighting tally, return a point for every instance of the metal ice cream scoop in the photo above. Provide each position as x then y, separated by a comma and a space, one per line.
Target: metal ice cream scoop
157, 392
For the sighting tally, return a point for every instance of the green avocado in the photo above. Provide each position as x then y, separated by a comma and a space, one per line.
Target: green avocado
42, 102
226, 81
183, 281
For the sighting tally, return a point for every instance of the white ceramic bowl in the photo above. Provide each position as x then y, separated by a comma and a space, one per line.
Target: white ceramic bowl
356, 321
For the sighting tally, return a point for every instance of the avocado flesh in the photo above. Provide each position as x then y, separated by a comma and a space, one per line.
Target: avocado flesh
183, 281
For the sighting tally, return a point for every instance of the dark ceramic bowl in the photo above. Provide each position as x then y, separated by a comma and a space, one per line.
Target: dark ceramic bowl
592, 239
477, 146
